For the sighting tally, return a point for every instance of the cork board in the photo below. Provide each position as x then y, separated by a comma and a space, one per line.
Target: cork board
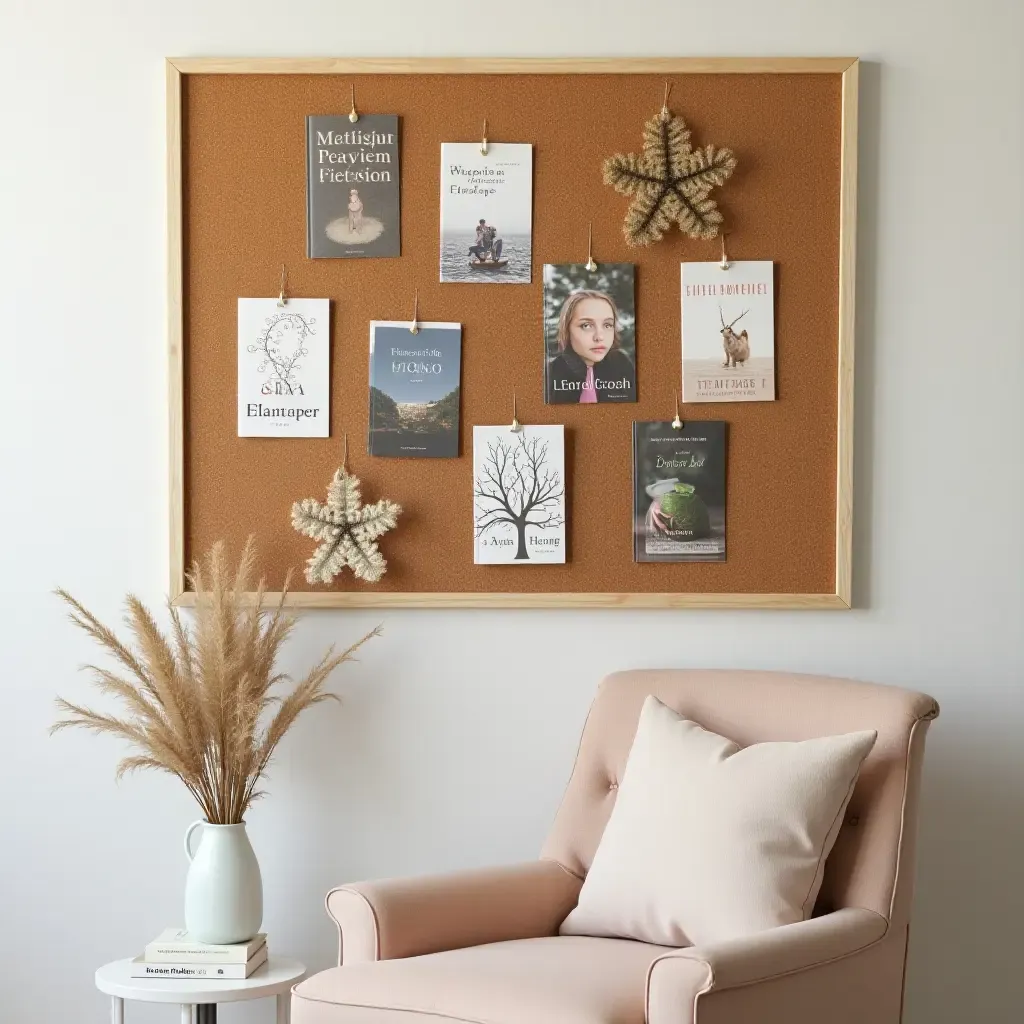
237, 196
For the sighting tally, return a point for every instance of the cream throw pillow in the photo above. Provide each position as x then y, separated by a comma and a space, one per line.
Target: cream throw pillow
709, 841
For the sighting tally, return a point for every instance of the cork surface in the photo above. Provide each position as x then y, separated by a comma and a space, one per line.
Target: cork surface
244, 215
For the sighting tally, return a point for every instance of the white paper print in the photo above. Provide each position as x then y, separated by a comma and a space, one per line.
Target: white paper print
486, 212
284, 368
728, 325
519, 495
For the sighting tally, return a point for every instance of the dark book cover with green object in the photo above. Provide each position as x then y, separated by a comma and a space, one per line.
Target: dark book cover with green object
352, 186
679, 491
414, 390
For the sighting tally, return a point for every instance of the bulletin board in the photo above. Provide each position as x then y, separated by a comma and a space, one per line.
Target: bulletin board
237, 195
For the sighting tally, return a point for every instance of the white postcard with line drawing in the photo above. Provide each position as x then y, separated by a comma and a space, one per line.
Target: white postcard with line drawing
284, 360
519, 495
728, 325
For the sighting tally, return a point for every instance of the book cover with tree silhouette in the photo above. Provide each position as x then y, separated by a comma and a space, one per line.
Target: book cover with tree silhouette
414, 390
679, 491
519, 495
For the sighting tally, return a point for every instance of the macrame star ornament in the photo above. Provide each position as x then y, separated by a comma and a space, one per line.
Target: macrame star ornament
669, 181
347, 530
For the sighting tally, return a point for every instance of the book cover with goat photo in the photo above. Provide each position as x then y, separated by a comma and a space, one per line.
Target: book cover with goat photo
679, 491
414, 390
728, 323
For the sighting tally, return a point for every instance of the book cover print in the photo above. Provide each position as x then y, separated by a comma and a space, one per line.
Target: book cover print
519, 495
414, 390
728, 324
486, 213
589, 333
352, 186
679, 492
284, 368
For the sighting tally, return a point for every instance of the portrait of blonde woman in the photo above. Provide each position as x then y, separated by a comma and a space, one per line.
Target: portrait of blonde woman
589, 334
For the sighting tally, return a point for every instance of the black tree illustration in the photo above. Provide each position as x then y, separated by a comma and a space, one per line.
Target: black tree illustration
516, 486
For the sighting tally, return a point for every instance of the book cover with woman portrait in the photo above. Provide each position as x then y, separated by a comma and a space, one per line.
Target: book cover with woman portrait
589, 334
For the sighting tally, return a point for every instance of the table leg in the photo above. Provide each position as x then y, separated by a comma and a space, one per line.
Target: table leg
186, 1013
116, 1010
206, 1013
284, 1002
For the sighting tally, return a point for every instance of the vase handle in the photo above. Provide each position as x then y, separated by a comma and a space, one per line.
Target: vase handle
188, 836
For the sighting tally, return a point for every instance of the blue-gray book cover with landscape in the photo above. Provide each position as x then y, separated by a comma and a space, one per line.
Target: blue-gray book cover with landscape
414, 390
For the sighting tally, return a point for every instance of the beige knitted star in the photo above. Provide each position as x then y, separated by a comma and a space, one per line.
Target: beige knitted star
669, 181
347, 530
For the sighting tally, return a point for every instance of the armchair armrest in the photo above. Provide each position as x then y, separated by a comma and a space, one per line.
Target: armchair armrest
395, 918
676, 980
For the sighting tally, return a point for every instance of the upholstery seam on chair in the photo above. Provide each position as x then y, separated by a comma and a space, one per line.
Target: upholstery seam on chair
819, 963
373, 917
576, 761
327, 907
395, 1009
709, 986
903, 806
820, 866
650, 972
559, 864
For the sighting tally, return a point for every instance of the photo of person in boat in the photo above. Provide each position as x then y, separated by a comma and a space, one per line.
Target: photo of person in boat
486, 213
590, 339
488, 245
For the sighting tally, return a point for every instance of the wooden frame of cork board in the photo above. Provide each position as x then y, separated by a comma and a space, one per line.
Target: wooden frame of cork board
236, 212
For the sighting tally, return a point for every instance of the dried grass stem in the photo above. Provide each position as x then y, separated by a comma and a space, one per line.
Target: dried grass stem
203, 703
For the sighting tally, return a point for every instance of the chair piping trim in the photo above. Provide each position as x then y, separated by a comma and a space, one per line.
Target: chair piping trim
373, 917
709, 985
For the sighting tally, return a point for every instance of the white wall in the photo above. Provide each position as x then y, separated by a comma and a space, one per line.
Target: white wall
455, 739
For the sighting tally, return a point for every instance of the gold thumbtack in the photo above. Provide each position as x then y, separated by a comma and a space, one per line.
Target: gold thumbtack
414, 327
282, 299
677, 423
516, 426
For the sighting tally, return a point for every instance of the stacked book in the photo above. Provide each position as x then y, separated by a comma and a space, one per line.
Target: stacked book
175, 954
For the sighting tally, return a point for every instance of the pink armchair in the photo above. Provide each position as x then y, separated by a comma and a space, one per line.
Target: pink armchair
483, 947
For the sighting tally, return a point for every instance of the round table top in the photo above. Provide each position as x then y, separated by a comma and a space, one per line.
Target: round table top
277, 975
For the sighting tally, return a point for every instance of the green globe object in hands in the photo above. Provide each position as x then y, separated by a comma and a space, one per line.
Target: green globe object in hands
686, 511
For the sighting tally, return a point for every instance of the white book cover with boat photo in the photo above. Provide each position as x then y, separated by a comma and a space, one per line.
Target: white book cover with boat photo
486, 213
728, 322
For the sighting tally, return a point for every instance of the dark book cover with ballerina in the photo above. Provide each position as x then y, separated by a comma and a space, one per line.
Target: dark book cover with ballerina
414, 390
352, 186
679, 491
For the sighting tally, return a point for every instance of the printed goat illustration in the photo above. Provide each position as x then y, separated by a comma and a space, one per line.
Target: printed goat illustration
736, 346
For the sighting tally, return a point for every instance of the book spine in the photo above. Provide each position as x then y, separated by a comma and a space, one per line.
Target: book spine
309, 186
185, 971
164, 953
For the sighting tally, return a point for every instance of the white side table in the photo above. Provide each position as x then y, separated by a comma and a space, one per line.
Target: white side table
274, 978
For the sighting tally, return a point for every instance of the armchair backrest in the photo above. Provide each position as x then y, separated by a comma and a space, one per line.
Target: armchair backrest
871, 864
